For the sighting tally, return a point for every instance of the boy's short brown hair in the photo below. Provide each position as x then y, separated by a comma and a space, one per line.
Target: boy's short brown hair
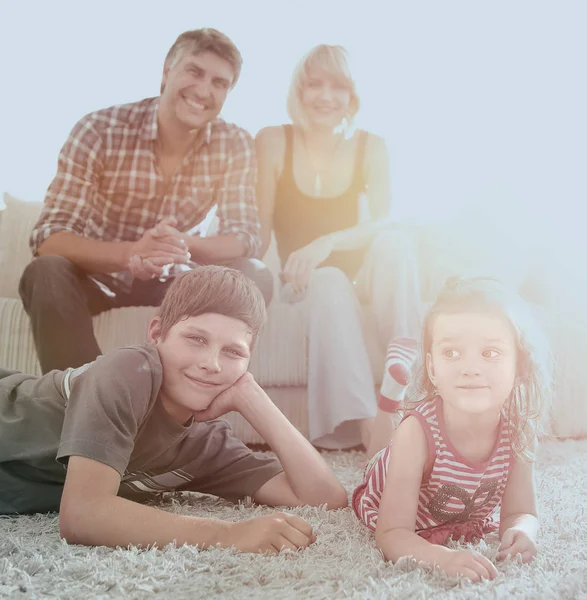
213, 289
207, 40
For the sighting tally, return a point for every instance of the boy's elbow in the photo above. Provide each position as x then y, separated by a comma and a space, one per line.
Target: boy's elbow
337, 498
70, 526
74, 518
340, 500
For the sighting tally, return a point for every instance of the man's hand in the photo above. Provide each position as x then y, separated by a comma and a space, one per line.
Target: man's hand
300, 264
271, 534
230, 399
466, 563
516, 541
159, 246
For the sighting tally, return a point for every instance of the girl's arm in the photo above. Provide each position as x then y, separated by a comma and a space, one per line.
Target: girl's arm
519, 524
270, 146
396, 524
395, 535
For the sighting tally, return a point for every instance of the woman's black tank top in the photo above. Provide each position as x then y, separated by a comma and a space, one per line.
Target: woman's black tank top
298, 219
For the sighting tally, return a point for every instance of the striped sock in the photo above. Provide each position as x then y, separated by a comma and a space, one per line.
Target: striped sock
401, 356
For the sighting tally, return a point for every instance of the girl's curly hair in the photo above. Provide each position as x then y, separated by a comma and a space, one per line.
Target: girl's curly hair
529, 401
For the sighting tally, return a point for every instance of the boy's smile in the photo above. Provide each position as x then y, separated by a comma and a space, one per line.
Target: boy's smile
202, 357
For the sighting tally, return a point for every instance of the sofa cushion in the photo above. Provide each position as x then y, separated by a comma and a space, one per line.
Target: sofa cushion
18, 220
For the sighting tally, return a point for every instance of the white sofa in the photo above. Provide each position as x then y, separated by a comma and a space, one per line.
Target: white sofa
280, 359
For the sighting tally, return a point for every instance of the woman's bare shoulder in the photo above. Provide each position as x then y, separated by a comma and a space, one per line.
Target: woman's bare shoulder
375, 144
270, 146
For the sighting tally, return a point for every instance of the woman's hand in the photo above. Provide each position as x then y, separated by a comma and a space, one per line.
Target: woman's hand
300, 264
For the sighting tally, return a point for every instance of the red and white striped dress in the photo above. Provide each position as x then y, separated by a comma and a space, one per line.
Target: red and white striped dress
457, 497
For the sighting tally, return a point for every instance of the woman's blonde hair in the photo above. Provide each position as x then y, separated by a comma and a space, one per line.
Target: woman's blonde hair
332, 60
530, 398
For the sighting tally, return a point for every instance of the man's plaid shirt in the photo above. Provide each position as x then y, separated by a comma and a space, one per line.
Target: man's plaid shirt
108, 186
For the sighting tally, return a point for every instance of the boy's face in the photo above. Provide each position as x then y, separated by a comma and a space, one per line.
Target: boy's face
202, 357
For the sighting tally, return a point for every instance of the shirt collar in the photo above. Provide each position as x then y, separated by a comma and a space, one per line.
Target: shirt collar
149, 131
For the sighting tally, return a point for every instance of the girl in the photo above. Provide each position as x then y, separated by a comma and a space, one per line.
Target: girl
324, 193
466, 448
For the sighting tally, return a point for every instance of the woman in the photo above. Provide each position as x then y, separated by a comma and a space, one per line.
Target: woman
313, 175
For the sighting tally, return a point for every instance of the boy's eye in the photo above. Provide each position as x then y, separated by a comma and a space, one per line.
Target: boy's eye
197, 338
451, 353
491, 353
233, 352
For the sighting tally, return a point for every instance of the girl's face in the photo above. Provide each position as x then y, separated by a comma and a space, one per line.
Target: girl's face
472, 361
326, 99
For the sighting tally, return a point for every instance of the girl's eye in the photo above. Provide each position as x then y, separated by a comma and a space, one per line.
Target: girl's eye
491, 353
314, 83
451, 353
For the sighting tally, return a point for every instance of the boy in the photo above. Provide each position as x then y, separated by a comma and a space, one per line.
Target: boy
142, 419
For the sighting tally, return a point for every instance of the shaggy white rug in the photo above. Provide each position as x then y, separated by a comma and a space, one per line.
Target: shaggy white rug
343, 563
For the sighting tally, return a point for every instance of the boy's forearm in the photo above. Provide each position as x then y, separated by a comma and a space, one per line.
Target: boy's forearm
400, 542
114, 521
309, 476
528, 523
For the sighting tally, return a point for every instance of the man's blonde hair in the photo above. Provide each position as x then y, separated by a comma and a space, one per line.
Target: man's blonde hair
332, 60
213, 289
206, 40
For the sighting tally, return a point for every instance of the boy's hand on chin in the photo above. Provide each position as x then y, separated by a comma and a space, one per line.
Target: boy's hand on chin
229, 400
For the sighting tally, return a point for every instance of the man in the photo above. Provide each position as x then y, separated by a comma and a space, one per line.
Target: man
132, 180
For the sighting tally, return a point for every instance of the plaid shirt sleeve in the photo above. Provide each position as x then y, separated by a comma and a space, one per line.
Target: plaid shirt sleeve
72, 193
237, 207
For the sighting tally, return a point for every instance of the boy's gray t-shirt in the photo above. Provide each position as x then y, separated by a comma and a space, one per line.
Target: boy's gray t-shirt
111, 415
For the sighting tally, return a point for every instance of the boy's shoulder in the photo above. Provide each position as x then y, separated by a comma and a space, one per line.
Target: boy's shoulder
130, 367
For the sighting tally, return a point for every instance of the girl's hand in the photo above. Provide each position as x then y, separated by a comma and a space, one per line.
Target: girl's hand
516, 541
466, 563
300, 264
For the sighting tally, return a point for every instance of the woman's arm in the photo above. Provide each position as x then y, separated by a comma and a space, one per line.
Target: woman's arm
270, 147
